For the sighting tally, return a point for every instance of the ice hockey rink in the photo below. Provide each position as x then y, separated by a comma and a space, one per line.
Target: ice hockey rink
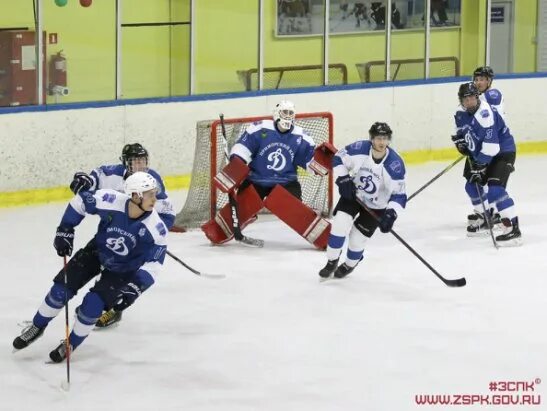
271, 337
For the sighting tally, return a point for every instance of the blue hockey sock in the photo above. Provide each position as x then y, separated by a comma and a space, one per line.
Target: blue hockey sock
87, 315
52, 305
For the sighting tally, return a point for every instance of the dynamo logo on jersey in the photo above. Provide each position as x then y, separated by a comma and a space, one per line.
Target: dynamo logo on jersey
117, 245
277, 159
470, 141
369, 187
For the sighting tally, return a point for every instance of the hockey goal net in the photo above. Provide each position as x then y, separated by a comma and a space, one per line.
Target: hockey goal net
204, 200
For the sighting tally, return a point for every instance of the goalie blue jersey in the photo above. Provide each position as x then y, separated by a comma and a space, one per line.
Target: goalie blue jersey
273, 157
485, 133
124, 244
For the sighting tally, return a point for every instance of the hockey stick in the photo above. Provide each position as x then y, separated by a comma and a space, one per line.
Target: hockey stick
435, 178
67, 330
238, 235
196, 272
460, 282
486, 216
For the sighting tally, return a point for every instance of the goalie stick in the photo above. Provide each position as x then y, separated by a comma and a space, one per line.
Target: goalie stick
460, 282
238, 235
193, 270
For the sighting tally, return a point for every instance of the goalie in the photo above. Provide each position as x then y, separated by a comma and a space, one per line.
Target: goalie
262, 172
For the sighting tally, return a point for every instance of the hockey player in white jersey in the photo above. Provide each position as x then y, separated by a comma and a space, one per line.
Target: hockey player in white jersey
375, 174
483, 78
483, 136
130, 250
134, 158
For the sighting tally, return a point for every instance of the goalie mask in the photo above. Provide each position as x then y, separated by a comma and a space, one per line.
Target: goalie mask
135, 158
139, 183
284, 114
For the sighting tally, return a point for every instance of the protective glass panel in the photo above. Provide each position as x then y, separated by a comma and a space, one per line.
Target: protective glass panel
407, 46
293, 57
226, 45
155, 48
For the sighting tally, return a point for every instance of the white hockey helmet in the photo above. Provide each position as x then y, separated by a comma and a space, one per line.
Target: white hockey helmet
140, 182
284, 114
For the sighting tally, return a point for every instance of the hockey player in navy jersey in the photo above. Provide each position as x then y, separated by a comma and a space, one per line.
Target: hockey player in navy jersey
263, 169
483, 77
482, 135
130, 250
375, 174
134, 158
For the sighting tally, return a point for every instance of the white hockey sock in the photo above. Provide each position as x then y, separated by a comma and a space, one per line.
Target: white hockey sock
356, 246
340, 227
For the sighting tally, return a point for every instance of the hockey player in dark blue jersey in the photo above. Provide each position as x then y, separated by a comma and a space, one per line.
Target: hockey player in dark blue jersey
482, 135
130, 250
263, 169
483, 77
134, 158
375, 174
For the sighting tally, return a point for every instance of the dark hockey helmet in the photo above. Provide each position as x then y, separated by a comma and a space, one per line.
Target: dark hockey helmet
468, 89
380, 129
130, 153
485, 71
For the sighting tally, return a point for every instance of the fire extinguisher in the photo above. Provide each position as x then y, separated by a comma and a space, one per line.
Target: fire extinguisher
57, 75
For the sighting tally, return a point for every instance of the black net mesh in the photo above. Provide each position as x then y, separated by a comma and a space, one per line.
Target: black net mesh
197, 208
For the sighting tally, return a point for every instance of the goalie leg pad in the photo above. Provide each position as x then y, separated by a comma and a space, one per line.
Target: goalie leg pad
220, 229
298, 216
231, 176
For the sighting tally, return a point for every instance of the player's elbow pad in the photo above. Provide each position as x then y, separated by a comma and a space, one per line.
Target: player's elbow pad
232, 175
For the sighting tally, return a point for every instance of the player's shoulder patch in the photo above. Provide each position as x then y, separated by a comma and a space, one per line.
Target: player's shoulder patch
108, 197
394, 164
161, 228
494, 92
484, 113
114, 169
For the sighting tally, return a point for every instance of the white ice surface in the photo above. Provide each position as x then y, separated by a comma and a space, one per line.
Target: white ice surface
270, 337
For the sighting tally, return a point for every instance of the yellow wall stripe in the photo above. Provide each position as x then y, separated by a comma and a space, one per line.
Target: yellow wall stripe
55, 194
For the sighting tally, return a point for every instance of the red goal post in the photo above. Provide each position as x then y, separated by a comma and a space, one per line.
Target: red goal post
204, 200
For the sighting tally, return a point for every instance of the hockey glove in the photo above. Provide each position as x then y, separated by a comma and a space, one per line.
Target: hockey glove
127, 296
461, 144
64, 241
80, 182
478, 173
346, 188
387, 220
